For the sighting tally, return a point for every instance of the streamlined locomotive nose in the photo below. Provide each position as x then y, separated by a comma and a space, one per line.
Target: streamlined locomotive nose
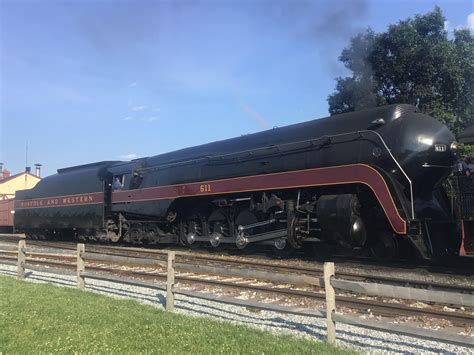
424, 147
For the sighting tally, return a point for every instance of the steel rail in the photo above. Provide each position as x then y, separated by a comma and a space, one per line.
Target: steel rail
318, 272
356, 261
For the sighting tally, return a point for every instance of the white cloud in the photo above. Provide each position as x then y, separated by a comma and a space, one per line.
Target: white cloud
446, 26
469, 24
470, 21
134, 84
139, 108
128, 118
128, 156
149, 119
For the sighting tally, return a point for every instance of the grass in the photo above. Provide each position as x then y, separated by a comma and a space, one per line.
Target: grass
45, 318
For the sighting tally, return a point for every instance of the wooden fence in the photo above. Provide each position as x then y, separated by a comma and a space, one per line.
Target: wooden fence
328, 282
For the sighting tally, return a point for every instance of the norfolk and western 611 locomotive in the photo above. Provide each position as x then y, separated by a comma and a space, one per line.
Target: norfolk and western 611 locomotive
369, 179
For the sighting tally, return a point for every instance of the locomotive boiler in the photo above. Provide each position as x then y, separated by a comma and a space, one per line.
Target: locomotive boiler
364, 180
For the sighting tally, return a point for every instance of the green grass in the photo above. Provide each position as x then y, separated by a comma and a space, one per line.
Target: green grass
45, 318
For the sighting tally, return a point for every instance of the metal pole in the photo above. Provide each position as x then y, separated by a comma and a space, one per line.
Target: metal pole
330, 302
170, 282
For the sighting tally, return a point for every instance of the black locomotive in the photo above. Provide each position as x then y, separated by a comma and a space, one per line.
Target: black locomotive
368, 179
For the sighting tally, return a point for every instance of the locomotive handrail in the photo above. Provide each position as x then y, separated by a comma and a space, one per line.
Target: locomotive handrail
401, 169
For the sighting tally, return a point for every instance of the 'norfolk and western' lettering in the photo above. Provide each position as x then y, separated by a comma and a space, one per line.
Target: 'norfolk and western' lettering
71, 200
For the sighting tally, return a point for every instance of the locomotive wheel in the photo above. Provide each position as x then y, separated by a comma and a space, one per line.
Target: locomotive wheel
112, 233
151, 235
194, 225
219, 224
37, 237
292, 236
386, 247
282, 248
113, 236
127, 231
31, 236
137, 234
245, 217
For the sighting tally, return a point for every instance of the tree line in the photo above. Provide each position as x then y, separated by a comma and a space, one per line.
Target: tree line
416, 62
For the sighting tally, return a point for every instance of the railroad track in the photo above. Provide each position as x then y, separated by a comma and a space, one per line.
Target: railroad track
242, 262
459, 267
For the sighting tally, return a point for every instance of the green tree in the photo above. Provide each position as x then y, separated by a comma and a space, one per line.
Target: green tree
413, 62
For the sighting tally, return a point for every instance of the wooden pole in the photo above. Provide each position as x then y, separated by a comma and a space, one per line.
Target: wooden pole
330, 302
170, 282
80, 266
21, 260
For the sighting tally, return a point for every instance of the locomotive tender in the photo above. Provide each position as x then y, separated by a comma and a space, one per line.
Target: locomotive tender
367, 179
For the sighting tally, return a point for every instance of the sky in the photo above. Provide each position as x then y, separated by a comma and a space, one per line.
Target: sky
84, 81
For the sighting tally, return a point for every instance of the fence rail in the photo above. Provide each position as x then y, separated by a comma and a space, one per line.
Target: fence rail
328, 282
407, 293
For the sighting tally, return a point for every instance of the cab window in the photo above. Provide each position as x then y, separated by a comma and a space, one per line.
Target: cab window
118, 182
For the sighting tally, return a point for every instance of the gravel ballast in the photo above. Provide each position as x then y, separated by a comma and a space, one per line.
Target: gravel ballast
308, 327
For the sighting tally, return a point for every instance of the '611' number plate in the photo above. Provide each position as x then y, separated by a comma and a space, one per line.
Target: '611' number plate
440, 147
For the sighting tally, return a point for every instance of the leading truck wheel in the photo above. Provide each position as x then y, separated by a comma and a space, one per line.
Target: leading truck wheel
386, 246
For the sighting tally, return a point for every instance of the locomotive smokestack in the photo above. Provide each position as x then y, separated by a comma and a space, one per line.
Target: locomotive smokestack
38, 169
28, 169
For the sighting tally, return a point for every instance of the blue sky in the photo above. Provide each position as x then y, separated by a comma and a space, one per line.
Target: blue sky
84, 81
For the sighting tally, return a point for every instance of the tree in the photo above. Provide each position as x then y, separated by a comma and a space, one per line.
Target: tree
413, 62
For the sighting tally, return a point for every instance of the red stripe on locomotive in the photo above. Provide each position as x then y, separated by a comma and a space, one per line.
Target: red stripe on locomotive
339, 175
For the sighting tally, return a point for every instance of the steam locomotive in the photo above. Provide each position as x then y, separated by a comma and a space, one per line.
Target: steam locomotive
367, 180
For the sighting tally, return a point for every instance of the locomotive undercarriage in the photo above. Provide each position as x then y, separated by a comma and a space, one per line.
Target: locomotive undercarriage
347, 219
284, 220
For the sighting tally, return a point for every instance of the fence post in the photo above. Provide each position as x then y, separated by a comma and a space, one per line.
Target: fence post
80, 266
170, 282
330, 302
21, 260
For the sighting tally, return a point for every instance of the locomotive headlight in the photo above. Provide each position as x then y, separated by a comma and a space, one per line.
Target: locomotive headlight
425, 140
454, 147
